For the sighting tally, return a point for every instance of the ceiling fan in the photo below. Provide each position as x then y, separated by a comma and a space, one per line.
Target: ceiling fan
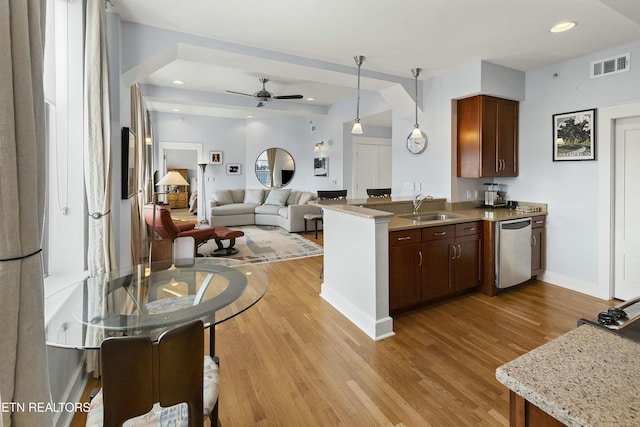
264, 95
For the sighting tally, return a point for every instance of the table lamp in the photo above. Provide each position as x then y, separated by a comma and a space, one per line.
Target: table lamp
171, 178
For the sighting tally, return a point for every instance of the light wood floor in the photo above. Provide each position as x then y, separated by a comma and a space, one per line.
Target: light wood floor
293, 360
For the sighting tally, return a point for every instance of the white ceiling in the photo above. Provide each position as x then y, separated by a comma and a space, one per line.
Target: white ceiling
311, 45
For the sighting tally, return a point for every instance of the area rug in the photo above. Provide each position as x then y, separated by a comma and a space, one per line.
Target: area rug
262, 243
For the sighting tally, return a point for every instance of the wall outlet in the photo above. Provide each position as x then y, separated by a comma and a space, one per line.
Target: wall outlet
417, 186
469, 194
211, 179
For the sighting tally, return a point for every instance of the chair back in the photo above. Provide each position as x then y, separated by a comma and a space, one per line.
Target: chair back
137, 373
332, 194
378, 192
164, 224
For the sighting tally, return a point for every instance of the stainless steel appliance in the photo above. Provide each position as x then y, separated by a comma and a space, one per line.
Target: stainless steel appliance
622, 319
493, 197
513, 252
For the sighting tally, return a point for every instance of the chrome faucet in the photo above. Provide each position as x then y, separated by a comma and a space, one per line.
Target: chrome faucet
417, 202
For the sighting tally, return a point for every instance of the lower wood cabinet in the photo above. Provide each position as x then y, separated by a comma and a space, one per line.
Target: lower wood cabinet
538, 243
433, 263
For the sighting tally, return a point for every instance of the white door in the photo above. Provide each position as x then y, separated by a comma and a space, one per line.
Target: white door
627, 206
371, 165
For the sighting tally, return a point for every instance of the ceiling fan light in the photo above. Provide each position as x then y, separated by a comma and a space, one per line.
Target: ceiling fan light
357, 128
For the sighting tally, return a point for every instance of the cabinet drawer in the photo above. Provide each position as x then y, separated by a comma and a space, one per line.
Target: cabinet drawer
404, 237
468, 228
437, 233
538, 221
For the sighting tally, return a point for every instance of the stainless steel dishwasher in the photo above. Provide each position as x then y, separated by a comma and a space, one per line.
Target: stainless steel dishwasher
513, 252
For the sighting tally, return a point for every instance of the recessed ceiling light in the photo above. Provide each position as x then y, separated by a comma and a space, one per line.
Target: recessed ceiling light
177, 82
249, 117
311, 99
563, 26
175, 109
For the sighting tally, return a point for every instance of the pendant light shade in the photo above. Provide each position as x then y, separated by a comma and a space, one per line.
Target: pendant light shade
417, 139
357, 127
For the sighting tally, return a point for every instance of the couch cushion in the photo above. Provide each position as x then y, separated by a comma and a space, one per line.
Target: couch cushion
283, 212
267, 209
237, 195
306, 197
222, 197
233, 209
277, 197
254, 196
294, 198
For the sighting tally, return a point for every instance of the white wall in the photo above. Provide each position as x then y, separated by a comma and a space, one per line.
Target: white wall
570, 188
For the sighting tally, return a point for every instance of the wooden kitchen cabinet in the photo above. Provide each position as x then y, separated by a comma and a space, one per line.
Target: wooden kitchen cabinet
404, 269
487, 137
538, 245
433, 263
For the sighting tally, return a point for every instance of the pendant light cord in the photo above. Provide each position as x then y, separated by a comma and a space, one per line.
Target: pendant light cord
359, 60
416, 73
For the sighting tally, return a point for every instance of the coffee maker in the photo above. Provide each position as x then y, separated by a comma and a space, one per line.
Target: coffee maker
493, 197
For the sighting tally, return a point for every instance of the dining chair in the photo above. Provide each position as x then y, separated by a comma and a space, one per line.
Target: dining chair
146, 382
379, 192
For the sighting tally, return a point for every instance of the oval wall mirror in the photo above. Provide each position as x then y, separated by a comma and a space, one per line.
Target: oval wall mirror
275, 168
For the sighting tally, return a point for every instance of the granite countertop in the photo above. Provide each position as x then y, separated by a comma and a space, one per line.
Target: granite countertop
587, 377
401, 206
398, 223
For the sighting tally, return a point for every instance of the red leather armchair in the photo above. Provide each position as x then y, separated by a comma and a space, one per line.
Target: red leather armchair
167, 229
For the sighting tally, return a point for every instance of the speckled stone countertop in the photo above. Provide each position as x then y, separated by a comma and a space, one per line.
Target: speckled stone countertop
587, 377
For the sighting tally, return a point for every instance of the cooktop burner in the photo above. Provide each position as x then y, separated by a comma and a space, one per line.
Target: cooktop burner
621, 319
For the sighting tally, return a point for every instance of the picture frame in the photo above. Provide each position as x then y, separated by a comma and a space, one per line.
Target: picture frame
574, 136
321, 166
215, 157
234, 169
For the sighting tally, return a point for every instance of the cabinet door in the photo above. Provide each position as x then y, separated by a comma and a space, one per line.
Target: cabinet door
489, 144
404, 277
537, 250
437, 263
468, 262
507, 138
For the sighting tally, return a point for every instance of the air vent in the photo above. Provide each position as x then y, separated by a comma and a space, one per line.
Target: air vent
609, 66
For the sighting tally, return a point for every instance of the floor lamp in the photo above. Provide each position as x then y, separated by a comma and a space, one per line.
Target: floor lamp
171, 178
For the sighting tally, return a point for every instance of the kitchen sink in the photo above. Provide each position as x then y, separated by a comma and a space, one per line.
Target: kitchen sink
438, 216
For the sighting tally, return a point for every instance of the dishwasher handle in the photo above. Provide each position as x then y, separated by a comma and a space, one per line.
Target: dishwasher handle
515, 225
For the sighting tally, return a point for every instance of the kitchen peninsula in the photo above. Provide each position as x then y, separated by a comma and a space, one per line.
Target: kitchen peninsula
587, 377
357, 251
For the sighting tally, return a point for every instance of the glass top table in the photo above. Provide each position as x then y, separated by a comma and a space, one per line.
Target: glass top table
140, 301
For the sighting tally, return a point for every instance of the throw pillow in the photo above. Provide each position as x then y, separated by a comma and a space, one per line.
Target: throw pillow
253, 197
305, 197
222, 197
293, 198
277, 197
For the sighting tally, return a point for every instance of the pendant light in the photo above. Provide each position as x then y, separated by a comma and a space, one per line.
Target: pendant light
417, 140
357, 127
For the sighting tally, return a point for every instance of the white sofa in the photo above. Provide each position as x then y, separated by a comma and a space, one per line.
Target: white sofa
281, 207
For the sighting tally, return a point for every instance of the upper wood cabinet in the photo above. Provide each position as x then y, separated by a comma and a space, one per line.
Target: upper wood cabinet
487, 137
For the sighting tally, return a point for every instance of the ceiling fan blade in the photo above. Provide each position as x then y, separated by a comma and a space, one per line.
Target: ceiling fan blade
239, 93
260, 104
288, 97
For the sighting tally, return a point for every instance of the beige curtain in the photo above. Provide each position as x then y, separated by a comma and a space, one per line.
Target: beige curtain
139, 242
271, 159
101, 256
23, 363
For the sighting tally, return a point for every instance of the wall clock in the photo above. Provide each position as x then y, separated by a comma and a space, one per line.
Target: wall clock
417, 141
